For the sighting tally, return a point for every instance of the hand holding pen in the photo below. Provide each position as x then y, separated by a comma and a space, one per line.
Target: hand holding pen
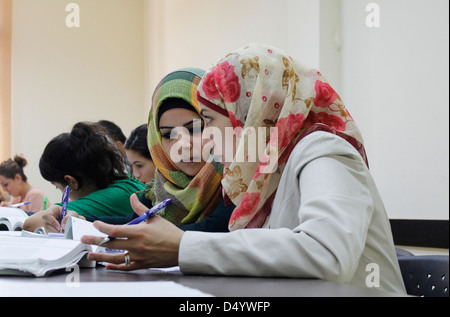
147, 215
154, 244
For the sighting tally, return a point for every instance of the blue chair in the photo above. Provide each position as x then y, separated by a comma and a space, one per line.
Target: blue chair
403, 252
425, 275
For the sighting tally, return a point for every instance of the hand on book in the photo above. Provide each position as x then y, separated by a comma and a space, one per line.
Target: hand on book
50, 219
154, 243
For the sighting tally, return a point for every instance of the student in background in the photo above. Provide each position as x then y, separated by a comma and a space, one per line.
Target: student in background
15, 182
138, 154
317, 214
194, 186
92, 167
115, 133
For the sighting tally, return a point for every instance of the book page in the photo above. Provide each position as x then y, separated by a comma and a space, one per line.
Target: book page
12, 218
6, 212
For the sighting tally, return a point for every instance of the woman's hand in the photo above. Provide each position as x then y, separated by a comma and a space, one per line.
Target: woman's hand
49, 219
154, 243
52, 218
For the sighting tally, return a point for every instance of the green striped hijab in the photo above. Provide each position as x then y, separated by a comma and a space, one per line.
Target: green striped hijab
194, 198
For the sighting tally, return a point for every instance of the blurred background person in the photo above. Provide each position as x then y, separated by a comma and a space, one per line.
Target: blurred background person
138, 154
14, 181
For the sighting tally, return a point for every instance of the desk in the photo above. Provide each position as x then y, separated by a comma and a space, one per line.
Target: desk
221, 286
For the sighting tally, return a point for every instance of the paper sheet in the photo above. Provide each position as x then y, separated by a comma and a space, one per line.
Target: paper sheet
76, 228
34, 288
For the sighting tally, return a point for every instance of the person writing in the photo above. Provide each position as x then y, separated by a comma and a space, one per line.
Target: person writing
193, 184
14, 181
89, 163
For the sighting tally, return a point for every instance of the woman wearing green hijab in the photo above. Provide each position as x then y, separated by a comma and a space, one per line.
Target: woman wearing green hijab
194, 187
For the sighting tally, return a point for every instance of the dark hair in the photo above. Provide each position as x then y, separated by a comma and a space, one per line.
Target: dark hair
137, 141
11, 167
113, 130
172, 103
86, 154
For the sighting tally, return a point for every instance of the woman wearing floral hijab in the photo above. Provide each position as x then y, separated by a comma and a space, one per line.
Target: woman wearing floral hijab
306, 191
263, 89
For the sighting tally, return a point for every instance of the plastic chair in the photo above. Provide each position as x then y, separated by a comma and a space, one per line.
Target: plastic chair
425, 275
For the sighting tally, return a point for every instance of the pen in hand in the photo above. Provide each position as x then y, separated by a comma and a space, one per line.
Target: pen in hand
65, 200
146, 215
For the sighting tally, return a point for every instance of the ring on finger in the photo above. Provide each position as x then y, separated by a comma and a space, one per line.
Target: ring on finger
127, 259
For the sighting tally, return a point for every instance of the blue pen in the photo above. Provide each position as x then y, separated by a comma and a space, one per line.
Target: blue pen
148, 214
21, 204
65, 200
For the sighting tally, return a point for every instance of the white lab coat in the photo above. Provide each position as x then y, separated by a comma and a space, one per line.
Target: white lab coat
327, 221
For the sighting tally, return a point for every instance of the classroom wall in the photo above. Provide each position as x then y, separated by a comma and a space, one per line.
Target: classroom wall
63, 75
5, 76
395, 81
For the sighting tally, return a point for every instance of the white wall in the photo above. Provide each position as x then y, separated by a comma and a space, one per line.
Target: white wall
197, 33
62, 75
395, 83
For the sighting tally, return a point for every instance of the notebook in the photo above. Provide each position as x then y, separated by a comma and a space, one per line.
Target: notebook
39, 255
12, 219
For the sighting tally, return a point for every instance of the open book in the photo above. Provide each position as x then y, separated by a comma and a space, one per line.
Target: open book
31, 256
12, 219
39, 255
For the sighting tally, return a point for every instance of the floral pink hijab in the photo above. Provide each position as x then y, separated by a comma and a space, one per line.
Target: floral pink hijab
260, 87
